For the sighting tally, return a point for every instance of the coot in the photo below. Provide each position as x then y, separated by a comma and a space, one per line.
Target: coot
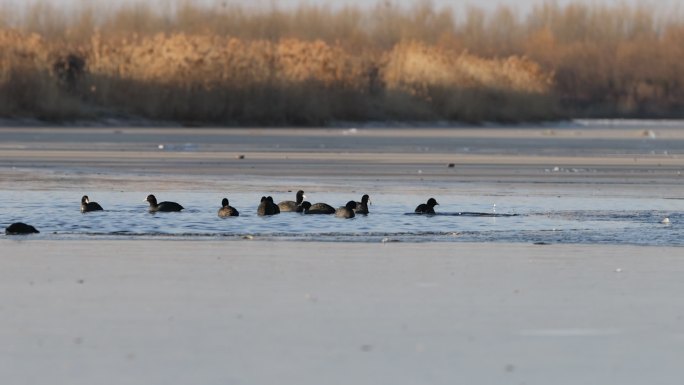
427, 208
87, 205
267, 207
362, 207
347, 211
20, 228
319, 208
292, 205
163, 206
227, 210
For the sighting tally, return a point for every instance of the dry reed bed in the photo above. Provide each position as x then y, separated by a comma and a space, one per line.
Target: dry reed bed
411, 66
214, 79
311, 65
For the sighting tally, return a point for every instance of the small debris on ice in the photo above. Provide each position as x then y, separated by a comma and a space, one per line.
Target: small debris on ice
649, 134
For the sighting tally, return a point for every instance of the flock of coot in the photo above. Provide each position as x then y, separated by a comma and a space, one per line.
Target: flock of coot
266, 207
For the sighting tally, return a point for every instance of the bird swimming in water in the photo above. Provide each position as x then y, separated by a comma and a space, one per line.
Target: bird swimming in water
267, 207
427, 208
274, 207
292, 205
317, 208
347, 211
227, 210
20, 228
87, 205
362, 207
304, 207
163, 206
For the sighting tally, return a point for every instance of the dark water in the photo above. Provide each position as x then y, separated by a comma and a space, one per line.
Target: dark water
526, 219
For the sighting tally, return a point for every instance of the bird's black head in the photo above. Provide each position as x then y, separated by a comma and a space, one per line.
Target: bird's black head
151, 199
224, 202
432, 202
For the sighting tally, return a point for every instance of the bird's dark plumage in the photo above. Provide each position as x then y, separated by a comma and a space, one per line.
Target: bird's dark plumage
319, 208
227, 210
427, 208
362, 207
20, 228
163, 206
267, 207
87, 205
304, 207
292, 205
347, 211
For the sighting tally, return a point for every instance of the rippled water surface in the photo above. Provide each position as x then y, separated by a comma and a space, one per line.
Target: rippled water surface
529, 219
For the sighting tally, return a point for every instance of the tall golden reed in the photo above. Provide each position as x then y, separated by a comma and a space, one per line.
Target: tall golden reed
315, 65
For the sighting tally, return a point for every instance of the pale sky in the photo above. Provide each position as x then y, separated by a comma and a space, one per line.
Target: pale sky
487, 4
663, 8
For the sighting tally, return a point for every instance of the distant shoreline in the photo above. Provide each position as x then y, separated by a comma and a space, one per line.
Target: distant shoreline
137, 122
